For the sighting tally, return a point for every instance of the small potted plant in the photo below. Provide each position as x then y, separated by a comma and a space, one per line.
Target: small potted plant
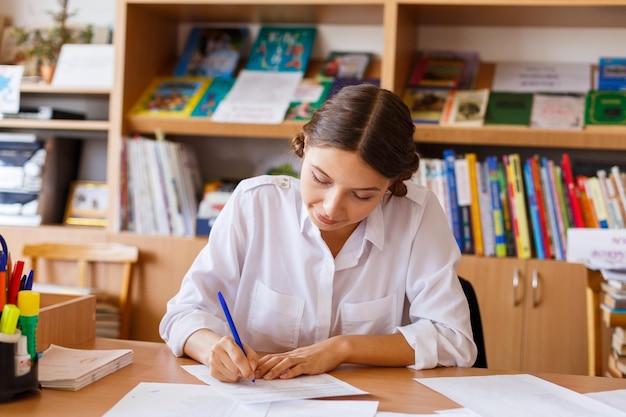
44, 46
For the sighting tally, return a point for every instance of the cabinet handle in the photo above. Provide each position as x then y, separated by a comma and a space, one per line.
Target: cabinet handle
516, 297
535, 286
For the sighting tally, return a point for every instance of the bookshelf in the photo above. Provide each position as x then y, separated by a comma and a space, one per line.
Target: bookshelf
148, 35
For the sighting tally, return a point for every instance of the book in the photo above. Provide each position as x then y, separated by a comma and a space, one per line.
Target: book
496, 207
212, 97
594, 193
613, 317
475, 211
540, 196
345, 64
10, 80
171, 96
43, 113
309, 96
72, 369
506, 108
211, 52
486, 218
518, 202
340, 83
562, 222
464, 200
506, 208
449, 157
426, 105
586, 205
455, 69
278, 48
614, 300
558, 111
533, 208
612, 73
467, 107
605, 108
616, 219
572, 190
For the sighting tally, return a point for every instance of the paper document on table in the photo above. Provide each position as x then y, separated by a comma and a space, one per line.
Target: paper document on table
518, 396
305, 386
615, 398
152, 399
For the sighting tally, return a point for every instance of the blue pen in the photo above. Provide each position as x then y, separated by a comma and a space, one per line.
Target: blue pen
28, 285
231, 323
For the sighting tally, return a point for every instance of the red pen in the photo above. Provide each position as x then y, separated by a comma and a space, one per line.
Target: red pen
14, 283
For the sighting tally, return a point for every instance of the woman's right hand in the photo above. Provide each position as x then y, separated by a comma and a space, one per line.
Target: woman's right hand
228, 363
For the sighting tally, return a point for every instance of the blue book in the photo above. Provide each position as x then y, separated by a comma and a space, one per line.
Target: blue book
551, 207
211, 52
533, 208
449, 157
212, 97
278, 48
496, 206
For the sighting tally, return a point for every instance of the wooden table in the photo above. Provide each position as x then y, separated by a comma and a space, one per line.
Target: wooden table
153, 362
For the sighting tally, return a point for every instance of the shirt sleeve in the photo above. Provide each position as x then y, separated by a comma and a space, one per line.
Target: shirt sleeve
440, 328
216, 268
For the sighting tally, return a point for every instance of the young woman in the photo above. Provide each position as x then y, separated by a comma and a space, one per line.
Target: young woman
349, 264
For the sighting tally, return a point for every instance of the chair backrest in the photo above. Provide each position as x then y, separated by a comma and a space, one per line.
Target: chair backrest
477, 324
92, 253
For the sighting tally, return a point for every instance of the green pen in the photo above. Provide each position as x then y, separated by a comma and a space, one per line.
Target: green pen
28, 303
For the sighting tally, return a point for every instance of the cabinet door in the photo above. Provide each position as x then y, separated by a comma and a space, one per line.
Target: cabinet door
498, 283
555, 330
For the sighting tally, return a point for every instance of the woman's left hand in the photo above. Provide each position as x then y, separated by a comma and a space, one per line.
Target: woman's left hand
309, 360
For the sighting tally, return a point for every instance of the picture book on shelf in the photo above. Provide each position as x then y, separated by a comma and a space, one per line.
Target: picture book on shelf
211, 52
558, 111
466, 107
612, 73
278, 48
445, 69
605, 107
506, 108
212, 97
309, 96
345, 64
171, 96
426, 105
340, 83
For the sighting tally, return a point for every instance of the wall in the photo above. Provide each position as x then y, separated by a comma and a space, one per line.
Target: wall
33, 12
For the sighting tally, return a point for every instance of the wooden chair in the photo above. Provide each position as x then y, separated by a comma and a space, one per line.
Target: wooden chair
87, 254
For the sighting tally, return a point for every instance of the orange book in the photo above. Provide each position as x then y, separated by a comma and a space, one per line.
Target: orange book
477, 234
586, 206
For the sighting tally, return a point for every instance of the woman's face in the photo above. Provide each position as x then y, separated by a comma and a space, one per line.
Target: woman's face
338, 188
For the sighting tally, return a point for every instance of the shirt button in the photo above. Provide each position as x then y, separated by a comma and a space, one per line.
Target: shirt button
284, 183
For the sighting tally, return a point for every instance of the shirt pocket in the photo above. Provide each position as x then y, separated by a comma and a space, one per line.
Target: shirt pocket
369, 317
274, 318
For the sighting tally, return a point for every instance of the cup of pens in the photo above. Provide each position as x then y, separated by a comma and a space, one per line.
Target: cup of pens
18, 325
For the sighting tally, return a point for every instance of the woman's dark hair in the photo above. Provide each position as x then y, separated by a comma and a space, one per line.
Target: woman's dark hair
374, 123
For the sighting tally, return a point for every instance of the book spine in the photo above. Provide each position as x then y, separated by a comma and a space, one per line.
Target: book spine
572, 190
620, 186
551, 210
506, 208
449, 158
464, 196
484, 196
523, 236
496, 207
540, 195
592, 187
557, 206
533, 208
477, 234
589, 213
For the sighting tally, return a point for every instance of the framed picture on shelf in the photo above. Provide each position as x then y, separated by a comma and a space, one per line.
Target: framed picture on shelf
87, 203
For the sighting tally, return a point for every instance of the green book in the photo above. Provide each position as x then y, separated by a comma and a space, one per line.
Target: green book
605, 107
506, 108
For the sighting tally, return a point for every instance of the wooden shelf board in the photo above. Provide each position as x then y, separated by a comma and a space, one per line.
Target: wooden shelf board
41, 88
57, 124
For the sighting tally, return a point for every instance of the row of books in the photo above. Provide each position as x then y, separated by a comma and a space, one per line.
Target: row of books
614, 305
161, 182
509, 206
480, 107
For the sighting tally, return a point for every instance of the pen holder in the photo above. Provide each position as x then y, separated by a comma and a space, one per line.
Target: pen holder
12, 384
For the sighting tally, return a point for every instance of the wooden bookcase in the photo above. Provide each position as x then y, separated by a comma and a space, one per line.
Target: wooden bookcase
147, 34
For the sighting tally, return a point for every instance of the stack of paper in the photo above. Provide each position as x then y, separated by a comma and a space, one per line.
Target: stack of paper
71, 369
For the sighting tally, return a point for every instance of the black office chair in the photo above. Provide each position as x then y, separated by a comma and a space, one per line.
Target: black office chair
477, 325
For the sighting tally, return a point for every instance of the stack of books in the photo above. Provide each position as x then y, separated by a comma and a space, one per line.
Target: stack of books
614, 315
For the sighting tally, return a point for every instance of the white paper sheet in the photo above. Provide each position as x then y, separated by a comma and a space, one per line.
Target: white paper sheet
615, 398
10, 80
258, 97
302, 387
518, 396
151, 399
85, 65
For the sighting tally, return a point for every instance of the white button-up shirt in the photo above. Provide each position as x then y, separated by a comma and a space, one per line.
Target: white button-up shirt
284, 288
